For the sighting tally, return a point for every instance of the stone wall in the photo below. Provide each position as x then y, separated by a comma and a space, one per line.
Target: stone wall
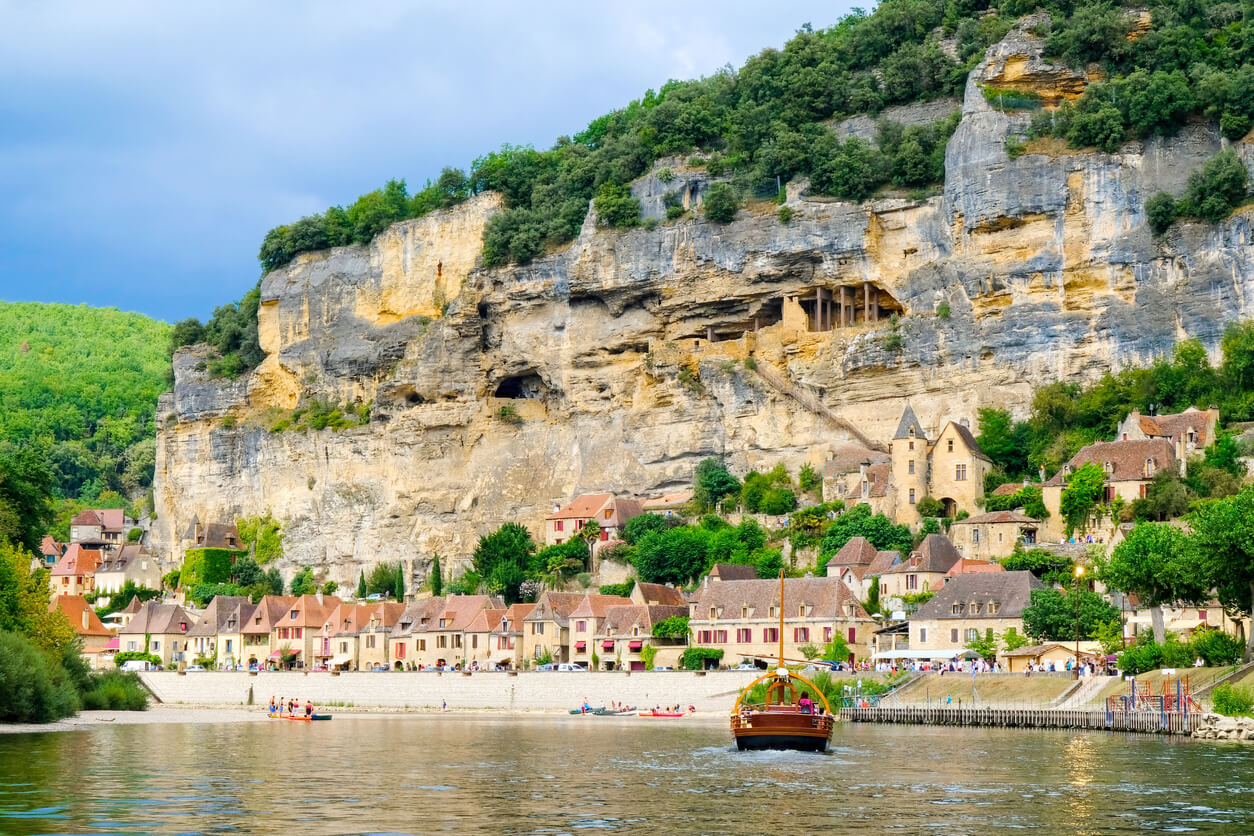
1219, 727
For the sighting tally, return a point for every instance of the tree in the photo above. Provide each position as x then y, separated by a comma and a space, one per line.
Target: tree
1005, 441
1223, 532
400, 581
675, 556
437, 578
858, 521
274, 581
589, 532
809, 480
721, 203
642, 524
616, 207
929, 507
361, 585
1050, 568
713, 482
1157, 563
1013, 639
25, 494
263, 535
1051, 615
382, 580
24, 602
246, 572
985, 644
1160, 212
1217, 188
1081, 495
502, 560
303, 582
836, 650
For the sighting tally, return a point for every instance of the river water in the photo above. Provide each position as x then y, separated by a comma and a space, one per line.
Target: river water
556, 775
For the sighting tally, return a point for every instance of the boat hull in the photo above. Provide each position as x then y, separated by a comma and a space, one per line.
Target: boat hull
777, 741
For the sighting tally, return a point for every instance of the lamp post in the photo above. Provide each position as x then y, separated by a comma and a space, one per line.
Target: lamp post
1075, 671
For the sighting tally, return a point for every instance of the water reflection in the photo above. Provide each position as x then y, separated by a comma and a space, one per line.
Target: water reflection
621, 775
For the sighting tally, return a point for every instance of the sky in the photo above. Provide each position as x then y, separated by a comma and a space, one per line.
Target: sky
146, 148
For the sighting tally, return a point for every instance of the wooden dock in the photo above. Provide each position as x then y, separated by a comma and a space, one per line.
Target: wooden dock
1151, 722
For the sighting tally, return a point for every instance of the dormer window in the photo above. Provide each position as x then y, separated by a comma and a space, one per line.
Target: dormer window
957, 609
294, 615
713, 614
1108, 467
973, 608
801, 611
744, 612
774, 612
912, 435
1066, 470
992, 608
866, 489
1149, 468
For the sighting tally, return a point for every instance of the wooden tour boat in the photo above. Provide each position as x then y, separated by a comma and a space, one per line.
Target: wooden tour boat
782, 720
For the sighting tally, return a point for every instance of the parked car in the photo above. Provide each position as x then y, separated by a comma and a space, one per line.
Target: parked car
191, 668
663, 668
571, 666
745, 666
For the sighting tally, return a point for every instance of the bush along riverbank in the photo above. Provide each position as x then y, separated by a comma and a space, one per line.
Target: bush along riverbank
39, 686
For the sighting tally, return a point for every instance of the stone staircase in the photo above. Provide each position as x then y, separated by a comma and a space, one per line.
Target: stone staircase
782, 383
1079, 694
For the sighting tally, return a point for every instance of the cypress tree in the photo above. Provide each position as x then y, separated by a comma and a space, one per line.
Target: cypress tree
361, 584
400, 581
437, 579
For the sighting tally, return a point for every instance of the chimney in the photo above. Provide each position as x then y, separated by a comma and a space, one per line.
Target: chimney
318, 595
85, 624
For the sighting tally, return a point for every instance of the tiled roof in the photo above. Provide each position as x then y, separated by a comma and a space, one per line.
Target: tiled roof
593, 506
83, 619
555, 606
594, 606
123, 558
159, 619
733, 572
828, 597
849, 457
1011, 591
412, 619
86, 517
460, 610
1126, 457
309, 611
49, 547
878, 476
78, 561
994, 517
967, 566
584, 506
656, 593
857, 552
968, 439
133, 606
485, 621
884, 560
935, 554
667, 500
217, 536
220, 611
908, 420
621, 621
514, 614
1011, 488
269, 610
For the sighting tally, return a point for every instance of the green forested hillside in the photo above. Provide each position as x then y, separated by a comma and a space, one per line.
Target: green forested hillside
79, 385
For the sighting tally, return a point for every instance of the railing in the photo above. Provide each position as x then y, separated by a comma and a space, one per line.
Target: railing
1131, 721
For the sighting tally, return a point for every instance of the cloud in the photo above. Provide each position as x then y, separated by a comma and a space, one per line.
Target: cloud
145, 148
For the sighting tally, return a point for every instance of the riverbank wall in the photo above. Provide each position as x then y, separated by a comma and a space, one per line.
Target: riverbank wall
1219, 727
526, 691
1040, 718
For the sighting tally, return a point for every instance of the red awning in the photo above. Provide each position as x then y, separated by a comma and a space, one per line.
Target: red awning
635, 645
607, 645
278, 654
580, 645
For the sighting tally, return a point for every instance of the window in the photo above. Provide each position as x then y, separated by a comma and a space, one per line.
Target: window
910, 467
883, 589
343, 647
130, 646
581, 626
975, 535
950, 447
605, 534
229, 647
705, 636
922, 635
992, 608
852, 637
744, 635
537, 628
720, 637
973, 608
957, 609
293, 615
770, 634
1108, 494
1201, 615
474, 641
801, 611
299, 632
912, 496
827, 634
422, 644
973, 634
1108, 468
400, 650
912, 581
370, 640
1149, 468
953, 636
156, 647
866, 489
559, 525
801, 634
713, 613
441, 641
960, 472
608, 513
912, 441
774, 612
744, 611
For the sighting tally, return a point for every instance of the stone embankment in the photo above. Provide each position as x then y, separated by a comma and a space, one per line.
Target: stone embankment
1039, 718
1219, 727
714, 691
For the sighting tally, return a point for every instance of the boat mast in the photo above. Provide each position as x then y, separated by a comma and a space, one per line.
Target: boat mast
781, 620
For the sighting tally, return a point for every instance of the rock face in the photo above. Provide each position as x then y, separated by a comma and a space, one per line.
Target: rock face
622, 360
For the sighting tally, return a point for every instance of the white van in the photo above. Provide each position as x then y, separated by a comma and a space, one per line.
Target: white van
136, 665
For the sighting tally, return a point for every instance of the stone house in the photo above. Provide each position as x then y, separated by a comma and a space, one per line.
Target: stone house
949, 467
627, 630
102, 528
336, 645
1129, 466
297, 629
86, 625
967, 608
610, 512
259, 626
1190, 432
993, 534
128, 563
200, 535
507, 636
166, 627
50, 552
742, 618
668, 504
923, 571
374, 633
409, 637
546, 629
75, 572
219, 632
440, 637
585, 623
858, 564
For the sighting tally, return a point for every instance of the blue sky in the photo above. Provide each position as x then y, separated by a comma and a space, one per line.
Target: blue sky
145, 148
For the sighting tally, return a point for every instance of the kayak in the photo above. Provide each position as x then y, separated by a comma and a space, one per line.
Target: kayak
589, 711
299, 718
661, 714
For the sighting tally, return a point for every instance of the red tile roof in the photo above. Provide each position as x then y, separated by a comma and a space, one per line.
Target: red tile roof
78, 612
1127, 459
78, 561
858, 551
594, 606
657, 594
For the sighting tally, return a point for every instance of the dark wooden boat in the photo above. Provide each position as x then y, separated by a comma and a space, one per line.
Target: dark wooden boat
783, 720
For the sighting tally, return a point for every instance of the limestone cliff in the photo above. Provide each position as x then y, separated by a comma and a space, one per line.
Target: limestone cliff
619, 361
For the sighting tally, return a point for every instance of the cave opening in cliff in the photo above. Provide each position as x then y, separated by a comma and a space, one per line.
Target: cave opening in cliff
524, 386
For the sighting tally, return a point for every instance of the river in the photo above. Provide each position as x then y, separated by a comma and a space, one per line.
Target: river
554, 775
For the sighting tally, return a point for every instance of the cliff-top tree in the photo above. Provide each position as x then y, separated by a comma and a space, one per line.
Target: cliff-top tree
361, 584
502, 560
